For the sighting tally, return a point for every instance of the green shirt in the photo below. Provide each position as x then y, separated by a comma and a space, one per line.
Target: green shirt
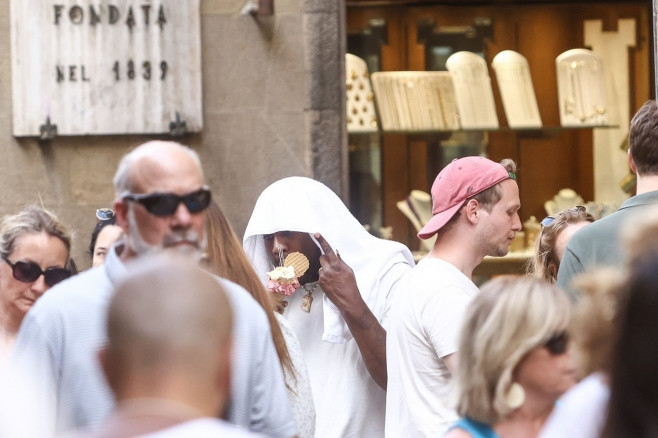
598, 244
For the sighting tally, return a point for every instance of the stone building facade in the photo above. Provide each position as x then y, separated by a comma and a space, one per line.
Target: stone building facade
273, 106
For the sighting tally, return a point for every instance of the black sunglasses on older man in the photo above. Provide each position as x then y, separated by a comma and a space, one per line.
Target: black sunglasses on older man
27, 272
165, 204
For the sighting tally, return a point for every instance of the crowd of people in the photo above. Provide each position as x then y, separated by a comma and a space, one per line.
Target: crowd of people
174, 332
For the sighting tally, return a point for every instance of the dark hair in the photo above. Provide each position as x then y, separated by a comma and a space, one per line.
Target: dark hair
643, 139
633, 382
97, 230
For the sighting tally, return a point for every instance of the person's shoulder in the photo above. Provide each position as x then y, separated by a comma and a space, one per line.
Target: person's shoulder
203, 427
457, 432
236, 293
437, 274
244, 306
596, 228
81, 291
468, 428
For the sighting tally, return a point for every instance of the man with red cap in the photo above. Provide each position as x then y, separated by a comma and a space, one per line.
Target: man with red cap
475, 203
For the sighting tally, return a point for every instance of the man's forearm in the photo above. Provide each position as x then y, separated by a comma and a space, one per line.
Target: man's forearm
370, 337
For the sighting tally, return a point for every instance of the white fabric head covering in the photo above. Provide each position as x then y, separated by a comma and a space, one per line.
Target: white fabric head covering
305, 205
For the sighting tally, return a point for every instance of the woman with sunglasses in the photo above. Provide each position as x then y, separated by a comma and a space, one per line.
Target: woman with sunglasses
556, 231
514, 359
35, 248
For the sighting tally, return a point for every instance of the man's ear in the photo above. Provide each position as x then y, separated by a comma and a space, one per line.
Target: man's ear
472, 211
631, 162
121, 213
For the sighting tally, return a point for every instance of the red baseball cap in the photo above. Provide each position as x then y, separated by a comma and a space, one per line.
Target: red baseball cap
463, 178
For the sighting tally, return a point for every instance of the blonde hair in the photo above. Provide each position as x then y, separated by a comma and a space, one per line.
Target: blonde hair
595, 321
511, 316
640, 238
31, 219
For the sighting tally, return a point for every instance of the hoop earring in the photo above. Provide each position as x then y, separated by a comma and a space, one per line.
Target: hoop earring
515, 396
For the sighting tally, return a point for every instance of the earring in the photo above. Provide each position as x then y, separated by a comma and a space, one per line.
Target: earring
515, 396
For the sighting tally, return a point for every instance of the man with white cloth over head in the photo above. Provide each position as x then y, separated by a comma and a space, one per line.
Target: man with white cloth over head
350, 278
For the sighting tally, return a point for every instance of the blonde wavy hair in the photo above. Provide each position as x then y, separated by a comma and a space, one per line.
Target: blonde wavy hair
511, 316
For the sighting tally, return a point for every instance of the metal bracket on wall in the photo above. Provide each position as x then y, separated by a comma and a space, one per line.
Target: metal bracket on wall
48, 130
178, 127
259, 7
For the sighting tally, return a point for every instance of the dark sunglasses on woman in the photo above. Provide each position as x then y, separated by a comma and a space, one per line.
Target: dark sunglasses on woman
28, 272
558, 343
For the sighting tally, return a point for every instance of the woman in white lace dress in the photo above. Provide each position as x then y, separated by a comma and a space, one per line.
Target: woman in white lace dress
227, 259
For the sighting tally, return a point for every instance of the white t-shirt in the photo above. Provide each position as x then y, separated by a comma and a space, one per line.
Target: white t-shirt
430, 302
203, 427
18, 411
348, 402
581, 411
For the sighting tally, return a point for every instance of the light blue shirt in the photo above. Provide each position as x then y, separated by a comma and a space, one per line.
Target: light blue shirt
61, 335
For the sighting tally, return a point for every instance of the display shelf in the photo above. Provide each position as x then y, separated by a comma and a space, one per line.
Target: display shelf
544, 129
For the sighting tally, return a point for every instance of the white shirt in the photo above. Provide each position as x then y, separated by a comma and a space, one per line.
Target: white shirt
60, 337
348, 402
430, 302
581, 411
203, 427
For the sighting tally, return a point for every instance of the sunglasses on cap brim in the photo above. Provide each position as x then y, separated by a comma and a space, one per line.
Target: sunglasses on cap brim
165, 204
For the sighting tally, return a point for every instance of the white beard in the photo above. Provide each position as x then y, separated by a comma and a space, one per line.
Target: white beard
140, 247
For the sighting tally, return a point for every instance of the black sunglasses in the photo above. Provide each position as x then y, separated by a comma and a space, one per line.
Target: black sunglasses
104, 214
558, 343
165, 204
550, 219
27, 272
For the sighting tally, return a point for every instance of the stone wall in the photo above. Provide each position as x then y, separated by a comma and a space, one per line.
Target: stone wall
272, 102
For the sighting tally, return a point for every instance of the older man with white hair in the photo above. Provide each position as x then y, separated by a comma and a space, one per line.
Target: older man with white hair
160, 203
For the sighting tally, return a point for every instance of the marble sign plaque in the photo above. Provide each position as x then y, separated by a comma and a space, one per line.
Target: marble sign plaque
105, 66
